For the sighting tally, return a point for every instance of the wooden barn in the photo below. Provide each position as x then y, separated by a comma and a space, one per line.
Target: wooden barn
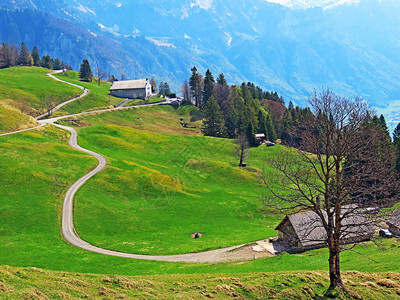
131, 89
304, 231
394, 222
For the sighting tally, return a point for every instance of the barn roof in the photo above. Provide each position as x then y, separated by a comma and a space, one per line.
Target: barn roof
129, 84
310, 231
394, 219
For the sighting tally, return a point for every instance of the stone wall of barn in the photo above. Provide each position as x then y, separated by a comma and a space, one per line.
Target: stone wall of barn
130, 94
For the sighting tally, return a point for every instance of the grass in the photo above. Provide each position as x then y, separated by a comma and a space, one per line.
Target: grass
37, 167
97, 98
27, 283
160, 188
11, 118
162, 179
22, 92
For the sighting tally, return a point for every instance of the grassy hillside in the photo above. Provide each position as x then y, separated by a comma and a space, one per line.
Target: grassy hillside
97, 98
162, 119
162, 183
37, 169
158, 189
22, 93
37, 283
30, 85
11, 117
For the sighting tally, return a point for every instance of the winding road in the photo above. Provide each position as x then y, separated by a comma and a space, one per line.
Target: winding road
68, 230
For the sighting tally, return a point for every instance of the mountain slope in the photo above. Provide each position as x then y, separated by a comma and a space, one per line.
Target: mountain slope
354, 49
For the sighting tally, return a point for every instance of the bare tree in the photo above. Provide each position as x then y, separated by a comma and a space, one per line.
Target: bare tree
100, 74
123, 76
321, 175
241, 149
185, 91
154, 87
48, 105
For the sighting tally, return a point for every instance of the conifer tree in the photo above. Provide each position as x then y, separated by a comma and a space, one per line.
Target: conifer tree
396, 134
36, 57
57, 64
396, 141
195, 83
271, 129
14, 55
85, 72
5, 56
208, 87
262, 123
250, 134
213, 122
383, 124
167, 90
23, 58
47, 62
221, 79
161, 88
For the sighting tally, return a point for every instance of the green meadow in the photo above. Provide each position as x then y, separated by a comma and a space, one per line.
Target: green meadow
37, 168
22, 94
162, 183
97, 98
159, 189
29, 86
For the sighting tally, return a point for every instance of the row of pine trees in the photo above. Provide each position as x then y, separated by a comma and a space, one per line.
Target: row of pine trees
231, 110
11, 55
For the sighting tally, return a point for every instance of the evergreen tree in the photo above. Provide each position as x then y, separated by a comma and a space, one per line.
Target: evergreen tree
271, 129
250, 134
396, 141
85, 72
213, 122
208, 86
47, 62
195, 83
23, 58
396, 134
221, 79
383, 124
57, 64
5, 56
161, 88
233, 113
14, 55
166, 89
262, 123
36, 57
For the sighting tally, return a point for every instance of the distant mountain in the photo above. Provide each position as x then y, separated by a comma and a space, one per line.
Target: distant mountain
352, 47
302, 4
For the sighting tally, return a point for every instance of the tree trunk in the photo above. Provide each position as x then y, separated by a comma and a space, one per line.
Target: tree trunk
334, 264
241, 157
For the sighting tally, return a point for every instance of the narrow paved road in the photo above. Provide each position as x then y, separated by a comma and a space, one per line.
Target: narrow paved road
68, 230
85, 92
22, 130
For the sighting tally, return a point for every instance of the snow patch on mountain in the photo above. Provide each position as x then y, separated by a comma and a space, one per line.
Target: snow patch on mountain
302, 4
161, 42
204, 4
86, 9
